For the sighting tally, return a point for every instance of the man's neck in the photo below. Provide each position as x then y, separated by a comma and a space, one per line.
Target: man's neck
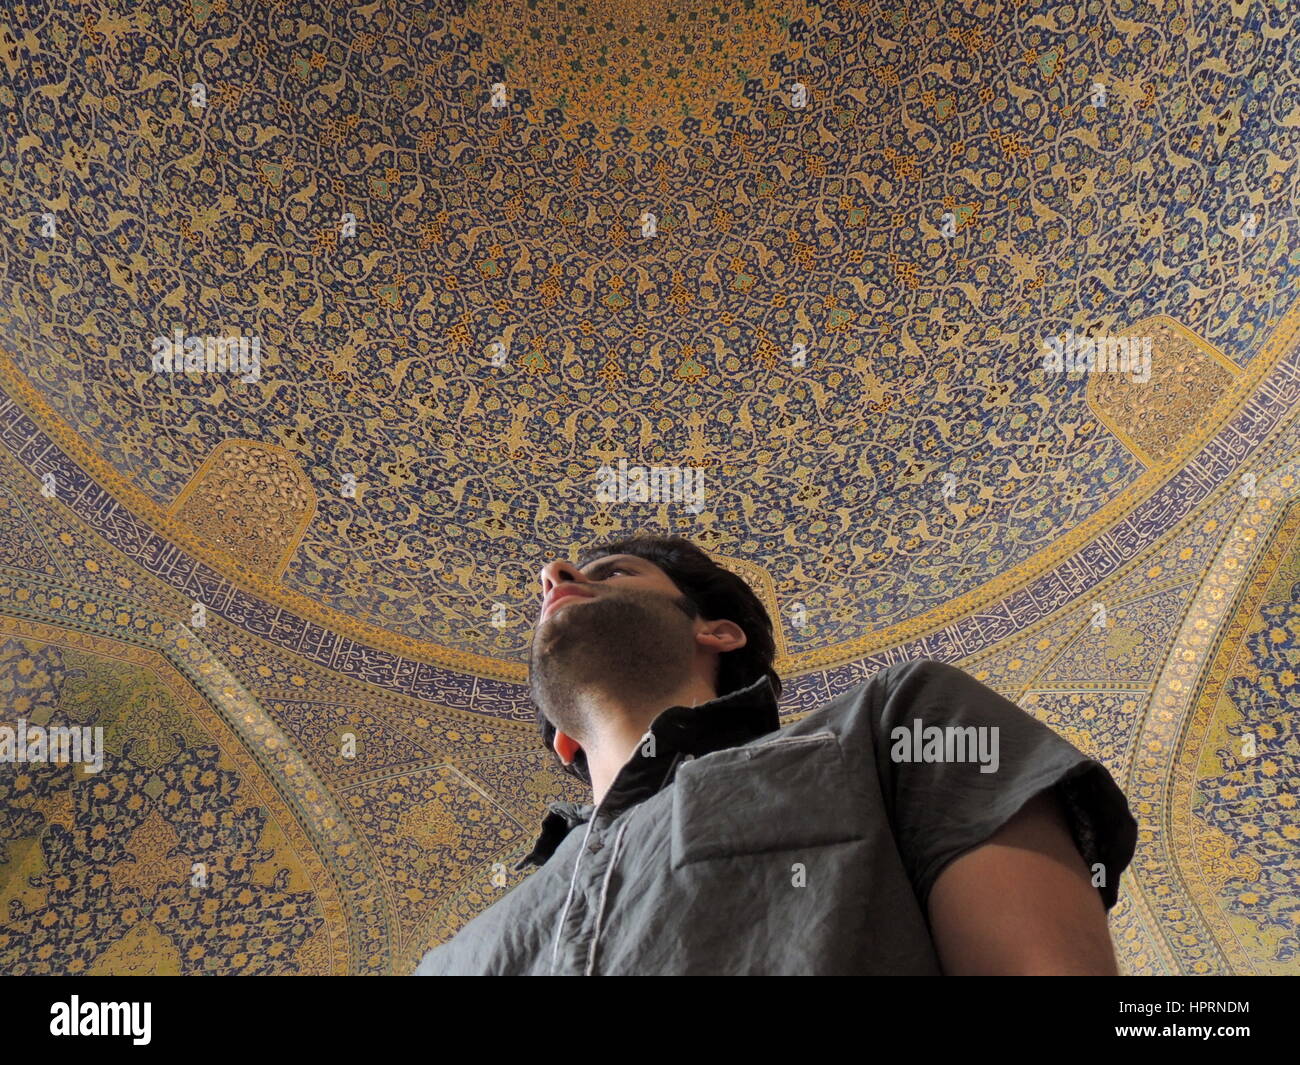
623, 727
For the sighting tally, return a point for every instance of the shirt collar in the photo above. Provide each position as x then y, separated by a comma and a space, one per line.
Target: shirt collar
679, 732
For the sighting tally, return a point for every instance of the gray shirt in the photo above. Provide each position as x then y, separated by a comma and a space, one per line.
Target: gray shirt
730, 845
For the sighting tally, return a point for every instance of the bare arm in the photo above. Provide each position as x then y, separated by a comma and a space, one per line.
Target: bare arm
1022, 903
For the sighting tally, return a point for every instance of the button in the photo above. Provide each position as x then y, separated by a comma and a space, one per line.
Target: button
594, 846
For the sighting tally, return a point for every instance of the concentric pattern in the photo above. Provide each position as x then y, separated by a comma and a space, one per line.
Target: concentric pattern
632, 73
837, 312
1097, 171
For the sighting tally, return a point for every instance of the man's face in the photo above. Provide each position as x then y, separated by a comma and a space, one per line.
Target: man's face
619, 627
563, 585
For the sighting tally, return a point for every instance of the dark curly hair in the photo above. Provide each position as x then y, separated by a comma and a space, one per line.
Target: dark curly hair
717, 593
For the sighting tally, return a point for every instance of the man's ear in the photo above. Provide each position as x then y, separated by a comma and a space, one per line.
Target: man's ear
720, 636
566, 747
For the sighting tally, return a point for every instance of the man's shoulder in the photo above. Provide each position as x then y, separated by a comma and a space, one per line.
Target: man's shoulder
887, 678
835, 714
912, 671
924, 669
865, 698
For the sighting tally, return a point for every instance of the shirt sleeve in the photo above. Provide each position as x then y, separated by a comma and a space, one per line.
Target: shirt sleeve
956, 761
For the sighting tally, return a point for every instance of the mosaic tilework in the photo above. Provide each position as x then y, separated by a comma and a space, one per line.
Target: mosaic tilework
1189, 381
1244, 792
285, 719
1126, 643
1207, 471
501, 779
99, 870
250, 500
520, 225
1196, 855
333, 619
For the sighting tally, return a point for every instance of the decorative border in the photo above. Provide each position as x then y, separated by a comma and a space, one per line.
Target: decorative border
422, 670
1195, 662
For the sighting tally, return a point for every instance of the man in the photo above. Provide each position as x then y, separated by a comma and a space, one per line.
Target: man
916, 824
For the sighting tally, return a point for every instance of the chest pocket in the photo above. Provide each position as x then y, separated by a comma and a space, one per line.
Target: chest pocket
781, 795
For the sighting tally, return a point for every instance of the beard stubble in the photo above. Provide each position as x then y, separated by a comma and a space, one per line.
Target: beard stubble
634, 646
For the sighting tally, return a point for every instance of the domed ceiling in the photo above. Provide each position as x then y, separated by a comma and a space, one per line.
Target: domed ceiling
813, 253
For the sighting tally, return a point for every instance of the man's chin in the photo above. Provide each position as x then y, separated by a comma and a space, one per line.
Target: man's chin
614, 639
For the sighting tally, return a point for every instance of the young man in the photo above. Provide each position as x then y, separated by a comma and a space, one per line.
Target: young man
916, 824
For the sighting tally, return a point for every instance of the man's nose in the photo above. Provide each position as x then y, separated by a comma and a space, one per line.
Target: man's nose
555, 572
